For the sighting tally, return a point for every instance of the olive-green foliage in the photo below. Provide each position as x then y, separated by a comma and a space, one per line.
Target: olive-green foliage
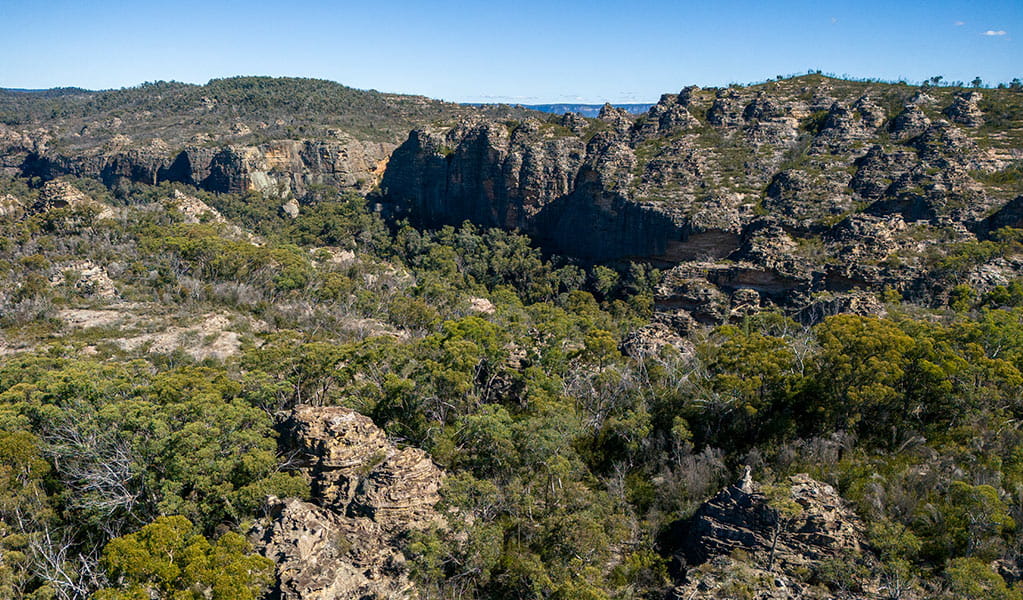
967, 520
861, 364
169, 559
288, 107
24, 509
572, 459
963, 256
972, 579
210, 256
134, 445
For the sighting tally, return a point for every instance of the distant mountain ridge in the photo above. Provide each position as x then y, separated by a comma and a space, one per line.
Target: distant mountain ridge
242, 133
587, 110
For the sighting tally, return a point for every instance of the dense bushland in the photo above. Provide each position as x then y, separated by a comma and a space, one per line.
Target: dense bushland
574, 459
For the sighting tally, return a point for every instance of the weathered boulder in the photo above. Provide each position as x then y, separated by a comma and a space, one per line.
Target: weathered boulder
193, 209
842, 128
741, 517
877, 170
291, 208
321, 555
865, 238
871, 114
701, 299
368, 494
400, 492
11, 208
667, 117
727, 110
909, 123
61, 194
965, 109
650, 339
778, 549
618, 119
87, 278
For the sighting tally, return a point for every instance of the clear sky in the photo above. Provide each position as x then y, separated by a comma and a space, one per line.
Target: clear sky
527, 51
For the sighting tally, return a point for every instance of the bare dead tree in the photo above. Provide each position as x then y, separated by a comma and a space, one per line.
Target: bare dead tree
55, 559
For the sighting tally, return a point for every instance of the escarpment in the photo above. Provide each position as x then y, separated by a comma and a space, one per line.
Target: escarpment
280, 136
367, 494
804, 191
280, 166
797, 189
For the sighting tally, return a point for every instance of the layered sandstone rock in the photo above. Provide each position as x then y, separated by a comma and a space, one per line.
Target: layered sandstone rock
965, 109
61, 194
368, 494
778, 550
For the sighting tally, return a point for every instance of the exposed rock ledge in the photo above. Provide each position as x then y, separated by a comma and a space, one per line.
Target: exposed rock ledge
368, 494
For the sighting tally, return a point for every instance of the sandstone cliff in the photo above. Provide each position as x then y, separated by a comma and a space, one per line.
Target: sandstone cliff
275, 135
284, 167
796, 190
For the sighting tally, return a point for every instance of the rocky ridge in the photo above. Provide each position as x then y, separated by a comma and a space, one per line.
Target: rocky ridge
795, 190
272, 135
367, 494
792, 194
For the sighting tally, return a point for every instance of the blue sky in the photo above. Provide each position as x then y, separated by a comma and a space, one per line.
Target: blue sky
526, 51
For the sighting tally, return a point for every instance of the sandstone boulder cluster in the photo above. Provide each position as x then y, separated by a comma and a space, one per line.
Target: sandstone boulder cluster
780, 548
367, 494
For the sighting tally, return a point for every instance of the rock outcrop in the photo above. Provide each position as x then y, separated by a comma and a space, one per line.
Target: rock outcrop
321, 555
61, 194
741, 517
87, 278
779, 548
11, 208
651, 339
193, 209
367, 494
965, 109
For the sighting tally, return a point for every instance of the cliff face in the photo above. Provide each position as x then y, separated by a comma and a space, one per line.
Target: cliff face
281, 166
789, 189
537, 177
277, 135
